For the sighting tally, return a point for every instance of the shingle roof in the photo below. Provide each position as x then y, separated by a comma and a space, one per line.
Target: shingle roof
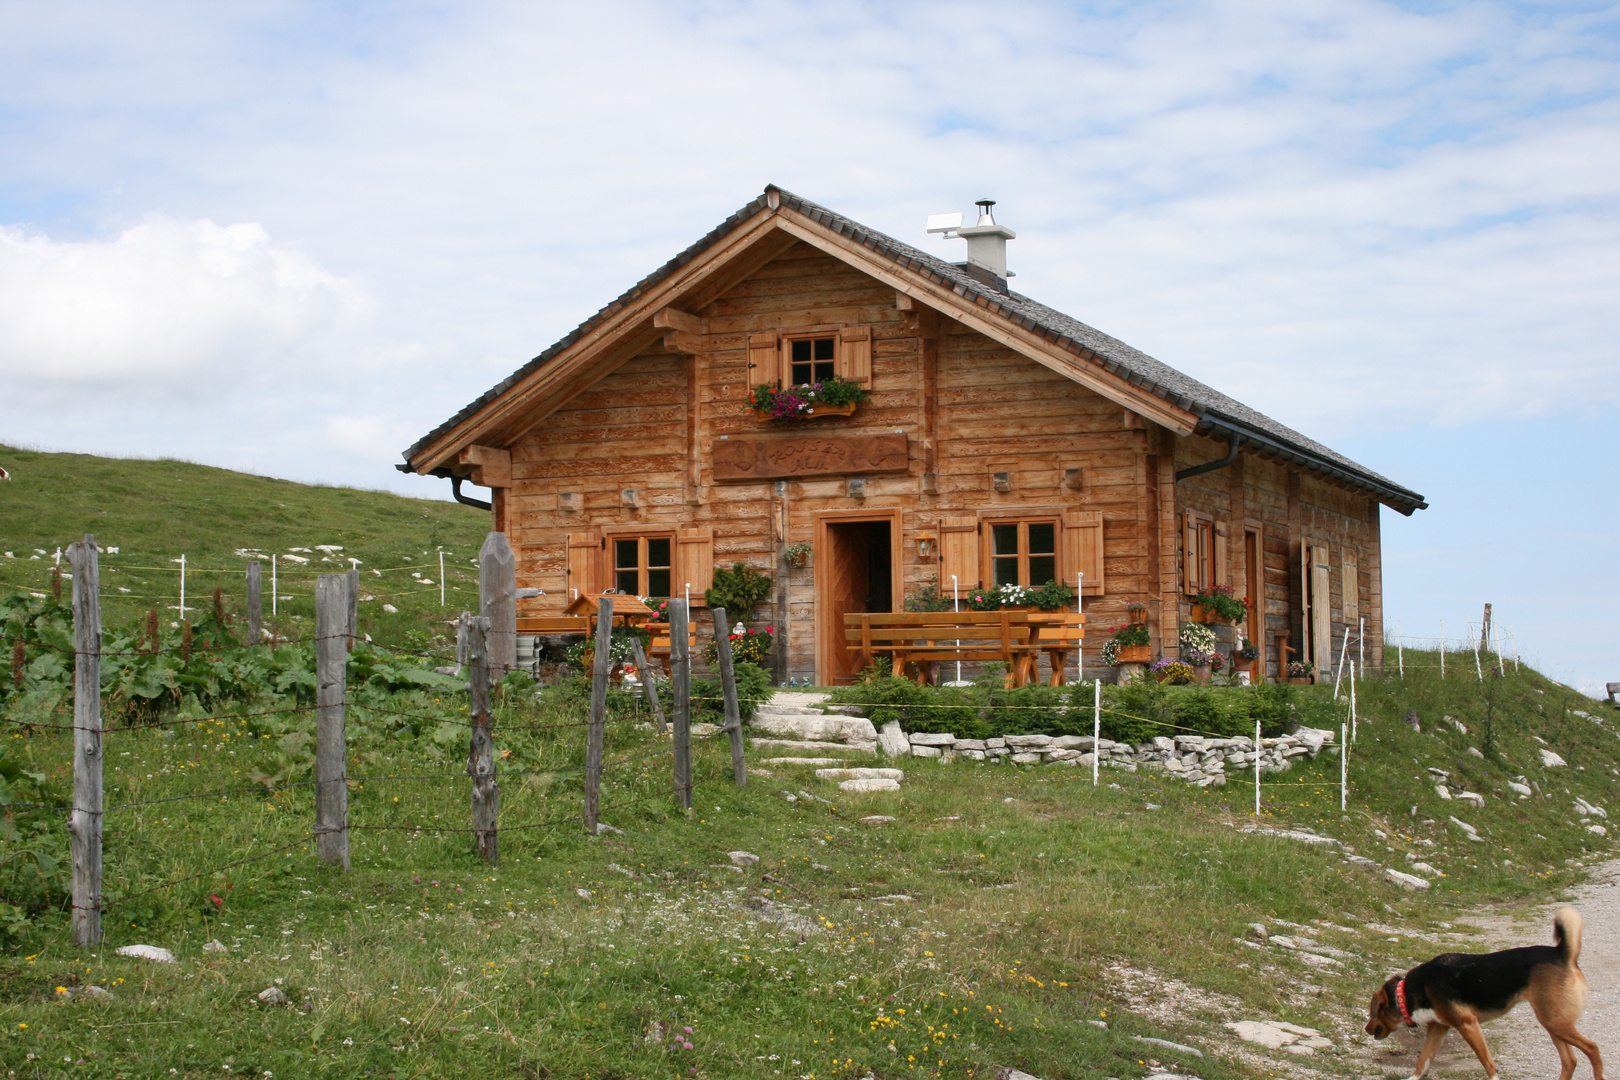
1218, 414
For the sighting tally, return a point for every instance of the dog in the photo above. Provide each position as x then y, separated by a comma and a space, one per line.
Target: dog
1465, 990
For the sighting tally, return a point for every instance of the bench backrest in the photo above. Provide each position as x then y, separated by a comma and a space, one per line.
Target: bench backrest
935, 618
554, 624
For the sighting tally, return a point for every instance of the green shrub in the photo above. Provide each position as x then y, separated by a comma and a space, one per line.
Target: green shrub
739, 590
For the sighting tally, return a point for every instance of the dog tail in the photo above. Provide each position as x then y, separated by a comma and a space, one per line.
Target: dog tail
1567, 933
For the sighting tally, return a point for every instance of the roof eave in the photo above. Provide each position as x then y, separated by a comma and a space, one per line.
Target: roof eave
1402, 500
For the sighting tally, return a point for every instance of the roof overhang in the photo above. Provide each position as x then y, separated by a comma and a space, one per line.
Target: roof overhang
1391, 495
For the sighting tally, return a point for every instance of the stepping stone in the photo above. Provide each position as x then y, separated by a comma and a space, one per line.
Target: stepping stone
871, 784
805, 761
860, 774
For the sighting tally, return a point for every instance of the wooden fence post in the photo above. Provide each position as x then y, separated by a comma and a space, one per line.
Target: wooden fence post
255, 603
84, 826
680, 685
353, 614
497, 600
331, 749
644, 673
728, 688
593, 738
486, 792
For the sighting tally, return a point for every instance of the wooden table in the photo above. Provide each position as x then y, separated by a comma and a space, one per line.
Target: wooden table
918, 640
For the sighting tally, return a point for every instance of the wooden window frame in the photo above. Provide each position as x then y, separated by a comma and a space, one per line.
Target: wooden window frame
987, 546
610, 559
1199, 565
770, 355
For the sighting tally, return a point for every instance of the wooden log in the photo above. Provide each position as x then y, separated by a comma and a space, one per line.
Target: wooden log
645, 675
680, 685
728, 689
84, 825
486, 794
255, 603
598, 718
497, 601
331, 749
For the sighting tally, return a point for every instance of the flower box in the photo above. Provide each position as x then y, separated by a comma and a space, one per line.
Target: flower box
1201, 614
1135, 654
1301, 680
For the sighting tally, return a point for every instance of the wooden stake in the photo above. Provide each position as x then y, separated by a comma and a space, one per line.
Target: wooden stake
84, 826
353, 578
486, 792
680, 685
644, 673
598, 718
255, 602
1485, 631
331, 746
497, 600
728, 690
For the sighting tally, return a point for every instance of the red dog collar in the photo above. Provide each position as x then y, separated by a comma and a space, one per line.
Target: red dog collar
1400, 1000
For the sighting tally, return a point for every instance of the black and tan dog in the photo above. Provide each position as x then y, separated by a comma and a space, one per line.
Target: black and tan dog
1464, 990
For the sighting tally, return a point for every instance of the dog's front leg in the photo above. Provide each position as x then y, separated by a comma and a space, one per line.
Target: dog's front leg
1431, 1045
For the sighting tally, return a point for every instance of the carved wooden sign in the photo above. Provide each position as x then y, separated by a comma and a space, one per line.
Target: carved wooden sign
767, 457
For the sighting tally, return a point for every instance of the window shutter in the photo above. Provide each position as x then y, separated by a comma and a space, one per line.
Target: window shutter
1189, 553
694, 562
1223, 552
763, 368
857, 349
1083, 549
958, 552
584, 564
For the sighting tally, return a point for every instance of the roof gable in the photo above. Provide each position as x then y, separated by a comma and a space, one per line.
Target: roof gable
769, 223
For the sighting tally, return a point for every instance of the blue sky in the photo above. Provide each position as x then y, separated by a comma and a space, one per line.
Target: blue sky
291, 237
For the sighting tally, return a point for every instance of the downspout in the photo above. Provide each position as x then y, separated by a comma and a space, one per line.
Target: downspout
468, 500
1232, 443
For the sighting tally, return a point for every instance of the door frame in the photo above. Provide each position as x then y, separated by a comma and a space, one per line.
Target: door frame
823, 520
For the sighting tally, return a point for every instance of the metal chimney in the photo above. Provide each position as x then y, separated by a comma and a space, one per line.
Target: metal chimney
987, 242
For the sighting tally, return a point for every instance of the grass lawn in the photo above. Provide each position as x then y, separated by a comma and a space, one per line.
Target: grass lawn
1000, 912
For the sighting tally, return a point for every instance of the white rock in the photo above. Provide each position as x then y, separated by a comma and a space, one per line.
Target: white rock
1425, 868
1471, 797
870, 785
1267, 1035
1014, 1074
1521, 789
1550, 759
1406, 881
146, 952
1071, 742
804, 761
583, 894
1023, 741
97, 992
860, 774
215, 946
742, 858
1256, 930
969, 744
1170, 1045
876, 819
1597, 829
391, 609
1440, 790
929, 738
1476, 752
1584, 807
926, 751
272, 995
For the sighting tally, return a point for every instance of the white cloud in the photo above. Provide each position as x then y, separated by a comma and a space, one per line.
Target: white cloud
187, 306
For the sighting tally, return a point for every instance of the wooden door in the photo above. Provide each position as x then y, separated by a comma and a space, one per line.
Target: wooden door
1321, 613
845, 583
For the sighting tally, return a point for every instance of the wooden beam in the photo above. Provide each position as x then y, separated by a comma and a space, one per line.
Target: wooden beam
491, 466
675, 319
967, 313
679, 341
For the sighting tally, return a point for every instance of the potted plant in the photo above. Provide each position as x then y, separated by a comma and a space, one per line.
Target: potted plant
797, 555
1198, 648
1218, 605
833, 397
1301, 671
748, 646
1136, 612
1053, 596
1174, 672
928, 598
1249, 653
1128, 645
738, 590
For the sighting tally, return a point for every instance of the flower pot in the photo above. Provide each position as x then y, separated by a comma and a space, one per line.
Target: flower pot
1201, 674
1203, 614
1135, 654
1301, 680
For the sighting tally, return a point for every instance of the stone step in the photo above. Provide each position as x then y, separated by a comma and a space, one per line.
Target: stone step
805, 760
860, 774
813, 747
816, 727
873, 784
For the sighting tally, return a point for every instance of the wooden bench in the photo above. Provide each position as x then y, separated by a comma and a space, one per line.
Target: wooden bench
554, 624
918, 640
658, 648
1057, 634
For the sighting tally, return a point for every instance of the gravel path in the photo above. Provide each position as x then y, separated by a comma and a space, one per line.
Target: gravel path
1520, 1046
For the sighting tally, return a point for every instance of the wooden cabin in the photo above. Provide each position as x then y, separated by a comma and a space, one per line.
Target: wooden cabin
1002, 441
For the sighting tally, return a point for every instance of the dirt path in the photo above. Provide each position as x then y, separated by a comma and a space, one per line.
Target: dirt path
1522, 1049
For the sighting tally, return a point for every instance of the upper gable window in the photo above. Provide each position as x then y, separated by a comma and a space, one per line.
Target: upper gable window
811, 360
